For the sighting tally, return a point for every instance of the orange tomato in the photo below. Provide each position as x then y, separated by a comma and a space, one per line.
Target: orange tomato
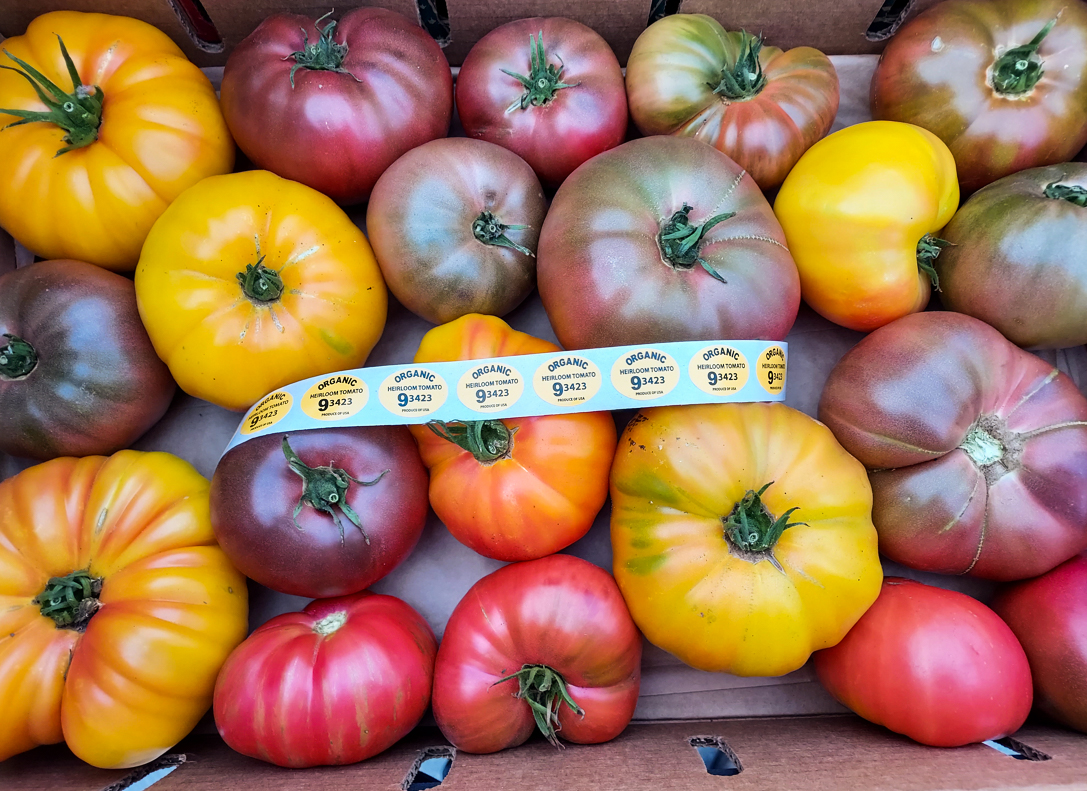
513, 489
117, 608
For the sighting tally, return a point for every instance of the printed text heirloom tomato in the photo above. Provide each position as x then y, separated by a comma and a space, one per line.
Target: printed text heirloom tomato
546, 644
249, 282
761, 106
337, 683
741, 535
117, 609
860, 211
932, 664
144, 126
519, 488
331, 105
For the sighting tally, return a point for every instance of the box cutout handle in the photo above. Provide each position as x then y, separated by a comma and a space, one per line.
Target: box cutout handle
430, 769
716, 755
145, 776
888, 19
194, 18
658, 9
434, 17
1017, 749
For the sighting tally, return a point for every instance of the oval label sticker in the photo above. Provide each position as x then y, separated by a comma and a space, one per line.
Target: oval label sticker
270, 410
567, 380
413, 392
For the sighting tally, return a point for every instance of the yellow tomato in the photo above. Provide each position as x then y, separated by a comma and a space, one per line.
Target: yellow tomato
860, 211
699, 498
136, 124
117, 608
249, 282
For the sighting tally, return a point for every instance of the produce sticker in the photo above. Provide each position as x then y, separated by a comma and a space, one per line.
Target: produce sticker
530, 385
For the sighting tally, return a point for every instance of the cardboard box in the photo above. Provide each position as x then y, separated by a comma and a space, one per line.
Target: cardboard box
800, 737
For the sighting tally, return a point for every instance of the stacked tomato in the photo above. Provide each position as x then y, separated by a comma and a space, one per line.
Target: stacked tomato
745, 537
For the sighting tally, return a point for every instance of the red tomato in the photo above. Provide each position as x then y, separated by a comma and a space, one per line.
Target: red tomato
1049, 616
546, 644
337, 683
932, 664
549, 89
332, 105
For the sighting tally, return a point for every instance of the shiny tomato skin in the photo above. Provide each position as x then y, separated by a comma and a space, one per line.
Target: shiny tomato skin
558, 611
296, 694
254, 493
97, 385
932, 664
1049, 616
936, 72
333, 131
578, 123
601, 271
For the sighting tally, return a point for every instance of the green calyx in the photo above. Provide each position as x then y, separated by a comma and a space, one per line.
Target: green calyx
17, 357
680, 241
928, 250
744, 78
260, 283
1019, 69
1068, 192
488, 230
322, 55
543, 80
78, 113
487, 440
325, 489
544, 690
71, 601
752, 528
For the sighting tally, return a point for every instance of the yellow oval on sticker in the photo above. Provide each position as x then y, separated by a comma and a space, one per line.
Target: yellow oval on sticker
335, 397
771, 370
719, 370
645, 374
490, 387
269, 410
413, 392
567, 380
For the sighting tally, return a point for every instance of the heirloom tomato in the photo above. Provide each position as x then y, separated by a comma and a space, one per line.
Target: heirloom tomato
249, 282
860, 211
664, 239
454, 225
333, 105
516, 488
78, 375
103, 122
978, 449
546, 644
741, 535
1018, 257
1049, 616
931, 664
323, 512
763, 107
548, 89
1002, 82
117, 608
337, 683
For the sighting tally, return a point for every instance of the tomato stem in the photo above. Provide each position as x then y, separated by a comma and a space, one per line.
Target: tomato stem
325, 489
543, 80
1069, 192
260, 283
487, 440
680, 242
744, 78
928, 250
330, 624
17, 357
751, 526
544, 689
78, 113
324, 54
489, 230
1019, 69
71, 601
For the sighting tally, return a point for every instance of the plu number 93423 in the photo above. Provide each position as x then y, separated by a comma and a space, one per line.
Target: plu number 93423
714, 378
638, 382
403, 399
482, 396
558, 388
325, 404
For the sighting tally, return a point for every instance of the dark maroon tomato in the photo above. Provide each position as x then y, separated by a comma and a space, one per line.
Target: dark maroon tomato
333, 104
454, 225
320, 513
1018, 257
549, 89
1049, 616
78, 374
664, 239
977, 450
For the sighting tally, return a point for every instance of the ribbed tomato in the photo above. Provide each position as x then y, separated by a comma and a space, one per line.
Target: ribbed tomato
337, 683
